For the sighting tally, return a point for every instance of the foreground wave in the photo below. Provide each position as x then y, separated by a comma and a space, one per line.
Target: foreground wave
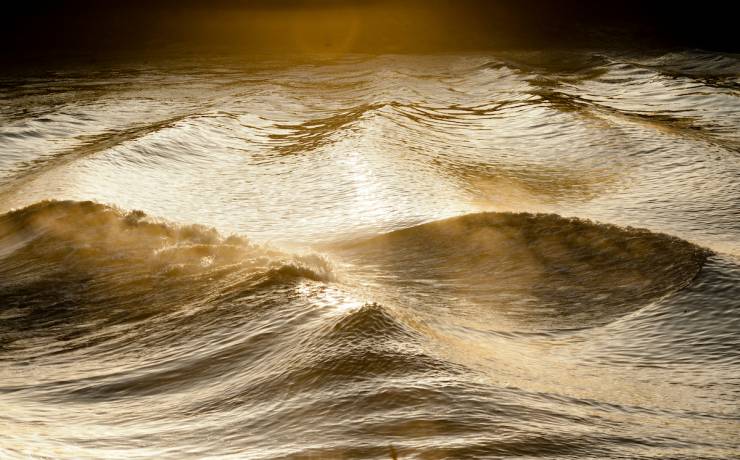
88, 265
542, 270
525, 271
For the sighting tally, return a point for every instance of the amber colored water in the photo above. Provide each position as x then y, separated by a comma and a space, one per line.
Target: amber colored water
503, 255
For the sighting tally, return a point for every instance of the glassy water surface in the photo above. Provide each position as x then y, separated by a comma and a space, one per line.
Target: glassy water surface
509, 255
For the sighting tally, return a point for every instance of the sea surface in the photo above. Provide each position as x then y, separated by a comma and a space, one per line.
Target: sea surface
482, 255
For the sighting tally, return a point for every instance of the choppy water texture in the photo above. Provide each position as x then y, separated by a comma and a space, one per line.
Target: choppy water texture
512, 255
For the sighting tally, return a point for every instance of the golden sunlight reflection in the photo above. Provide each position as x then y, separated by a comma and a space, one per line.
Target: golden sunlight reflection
342, 230
332, 300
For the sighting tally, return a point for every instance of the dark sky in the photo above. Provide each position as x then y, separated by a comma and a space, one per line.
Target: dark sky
34, 31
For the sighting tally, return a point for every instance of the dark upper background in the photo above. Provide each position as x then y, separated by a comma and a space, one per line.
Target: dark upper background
41, 32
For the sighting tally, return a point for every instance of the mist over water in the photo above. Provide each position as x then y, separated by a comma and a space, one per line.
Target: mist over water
509, 254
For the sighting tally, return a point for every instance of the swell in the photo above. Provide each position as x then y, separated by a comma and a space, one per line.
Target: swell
529, 271
684, 127
315, 133
713, 70
70, 268
560, 81
89, 145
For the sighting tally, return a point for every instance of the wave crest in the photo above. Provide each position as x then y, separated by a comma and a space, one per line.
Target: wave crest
93, 235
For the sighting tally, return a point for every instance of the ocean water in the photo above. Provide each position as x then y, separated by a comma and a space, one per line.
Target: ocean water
481, 255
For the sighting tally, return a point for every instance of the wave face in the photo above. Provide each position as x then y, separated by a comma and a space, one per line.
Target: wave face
542, 270
520, 255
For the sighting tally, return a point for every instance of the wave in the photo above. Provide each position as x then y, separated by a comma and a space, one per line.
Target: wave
83, 147
89, 265
540, 271
315, 133
552, 66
